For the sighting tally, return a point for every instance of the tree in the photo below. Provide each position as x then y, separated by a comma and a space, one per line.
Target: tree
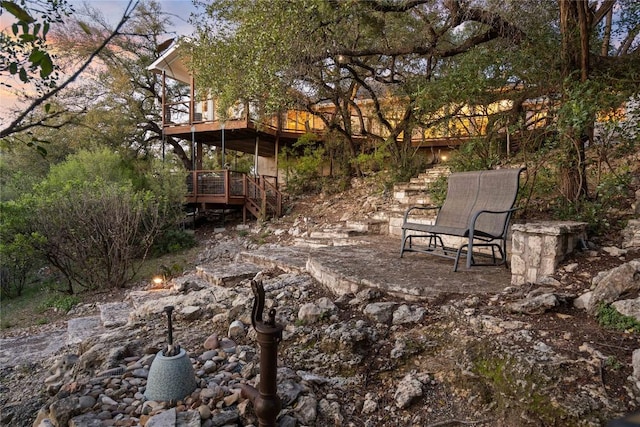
35, 45
125, 112
341, 52
587, 69
96, 224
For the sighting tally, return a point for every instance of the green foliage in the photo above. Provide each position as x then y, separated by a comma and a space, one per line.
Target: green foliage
302, 165
18, 257
95, 225
476, 154
62, 303
172, 241
611, 194
438, 191
611, 318
25, 52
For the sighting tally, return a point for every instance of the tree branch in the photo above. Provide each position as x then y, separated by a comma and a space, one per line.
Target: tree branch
14, 127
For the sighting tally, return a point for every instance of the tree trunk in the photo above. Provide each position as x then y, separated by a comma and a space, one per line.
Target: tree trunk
575, 27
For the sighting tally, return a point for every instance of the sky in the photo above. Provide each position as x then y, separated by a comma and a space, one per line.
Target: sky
179, 10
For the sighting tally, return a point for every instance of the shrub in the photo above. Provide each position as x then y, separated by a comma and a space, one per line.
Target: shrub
303, 165
97, 227
172, 241
611, 318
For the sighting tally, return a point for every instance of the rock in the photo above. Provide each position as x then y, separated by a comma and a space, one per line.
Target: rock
227, 416
114, 314
628, 307
204, 411
188, 419
163, 419
86, 402
331, 411
289, 390
85, 420
62, 410
326, 306
190, 312
236, 330
613, 251
631, 233
380, 312
306, 410
405, 314
287, 421
583, 301
635, 362
535, 305
370, 404
407, 391
309, 312
212, 343
615, 282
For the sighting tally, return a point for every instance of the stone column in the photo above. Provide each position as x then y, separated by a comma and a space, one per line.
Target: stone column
538, 248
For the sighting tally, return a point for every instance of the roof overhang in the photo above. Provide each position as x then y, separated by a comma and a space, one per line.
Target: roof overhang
171, 64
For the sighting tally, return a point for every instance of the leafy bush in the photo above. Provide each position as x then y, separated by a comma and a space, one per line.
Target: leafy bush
18, 256
303, 165
172, 241
62, 303
96, 226
609, 317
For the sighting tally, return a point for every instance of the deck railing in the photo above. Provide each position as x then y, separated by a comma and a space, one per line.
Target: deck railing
226, 187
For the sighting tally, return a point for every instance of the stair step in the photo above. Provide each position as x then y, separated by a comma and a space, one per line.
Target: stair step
373, 226
323, 243
339, 233
228, 274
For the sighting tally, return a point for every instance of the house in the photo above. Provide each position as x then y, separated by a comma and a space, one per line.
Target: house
197, 123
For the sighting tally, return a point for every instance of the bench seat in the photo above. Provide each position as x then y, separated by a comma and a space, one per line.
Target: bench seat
478, 207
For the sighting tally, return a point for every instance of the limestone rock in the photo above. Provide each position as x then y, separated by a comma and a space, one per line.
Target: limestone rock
405, 314
309, 312
306, 410
534, 305
163, 419
615, 282
236, 330
631, 233
331, 410
381, 312
61, 411
583, 301
636, 364
407, 391
628, 307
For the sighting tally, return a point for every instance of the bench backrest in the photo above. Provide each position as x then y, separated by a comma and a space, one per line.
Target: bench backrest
469, 192
462, 191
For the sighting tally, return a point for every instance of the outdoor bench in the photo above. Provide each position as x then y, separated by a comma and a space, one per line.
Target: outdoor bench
478, 208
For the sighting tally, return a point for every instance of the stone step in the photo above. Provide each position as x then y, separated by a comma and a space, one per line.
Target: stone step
227, 275
371, 226
323, 243
334, 233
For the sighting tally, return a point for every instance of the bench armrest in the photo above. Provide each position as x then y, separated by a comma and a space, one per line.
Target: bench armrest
412, 208
476, 215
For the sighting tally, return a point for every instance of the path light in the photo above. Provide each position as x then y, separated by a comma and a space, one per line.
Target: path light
158, 282
171, 376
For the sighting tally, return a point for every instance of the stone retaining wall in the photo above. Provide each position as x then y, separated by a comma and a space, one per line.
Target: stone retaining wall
538, 247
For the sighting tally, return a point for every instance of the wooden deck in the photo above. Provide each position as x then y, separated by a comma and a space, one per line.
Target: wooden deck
215, 189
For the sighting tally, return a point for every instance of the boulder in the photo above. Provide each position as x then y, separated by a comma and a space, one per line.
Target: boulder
610, 285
